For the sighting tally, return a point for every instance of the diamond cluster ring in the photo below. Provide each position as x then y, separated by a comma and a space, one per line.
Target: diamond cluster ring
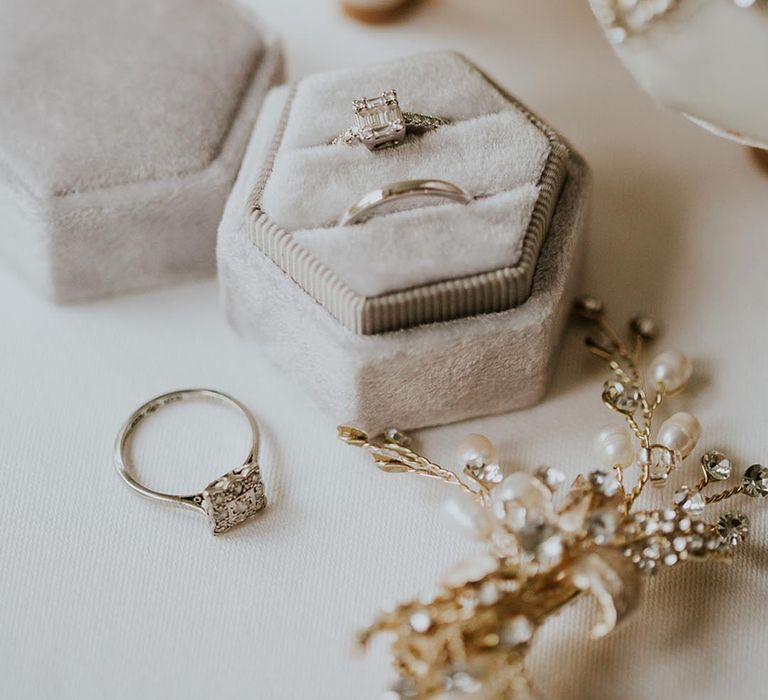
364, 207
382, 124
229, 500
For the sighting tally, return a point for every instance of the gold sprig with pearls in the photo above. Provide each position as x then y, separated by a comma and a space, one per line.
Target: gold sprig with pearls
543, 551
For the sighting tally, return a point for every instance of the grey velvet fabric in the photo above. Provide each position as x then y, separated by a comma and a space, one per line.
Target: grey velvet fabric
122, 127
490, 149
427, 375
428, 261
98, 93
397, 251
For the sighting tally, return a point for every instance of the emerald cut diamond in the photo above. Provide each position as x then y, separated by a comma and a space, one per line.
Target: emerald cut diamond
380, 121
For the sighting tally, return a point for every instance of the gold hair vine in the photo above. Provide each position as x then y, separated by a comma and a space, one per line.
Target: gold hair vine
543, 551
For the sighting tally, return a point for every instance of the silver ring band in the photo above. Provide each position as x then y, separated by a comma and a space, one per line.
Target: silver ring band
227, 501
414, 123
364, 207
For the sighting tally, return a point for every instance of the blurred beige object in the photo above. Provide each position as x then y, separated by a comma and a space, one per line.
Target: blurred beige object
376, 10
704, 58
761, 157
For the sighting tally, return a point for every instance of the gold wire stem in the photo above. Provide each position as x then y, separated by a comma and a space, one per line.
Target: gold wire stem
715, 498
417, 464
640, 433
602, 354
482, 490
619, 371
630, 375
701, 485
619, 474
392, 457
658, 399
630, 357
644, 437
635, 493
617, 340
619, 469
649, 409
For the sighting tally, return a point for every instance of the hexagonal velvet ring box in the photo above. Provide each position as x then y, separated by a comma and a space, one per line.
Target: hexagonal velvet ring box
431, 313
120, 136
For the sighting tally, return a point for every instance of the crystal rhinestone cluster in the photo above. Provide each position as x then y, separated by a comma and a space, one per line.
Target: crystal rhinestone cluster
233, 498
544, 548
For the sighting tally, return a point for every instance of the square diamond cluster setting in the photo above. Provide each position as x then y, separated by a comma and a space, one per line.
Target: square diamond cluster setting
233, 498
380, 121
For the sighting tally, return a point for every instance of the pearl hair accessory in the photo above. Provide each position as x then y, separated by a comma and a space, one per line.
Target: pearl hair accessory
543, 551
625, 18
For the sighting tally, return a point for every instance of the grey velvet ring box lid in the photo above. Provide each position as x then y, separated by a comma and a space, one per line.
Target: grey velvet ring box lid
122, 128
299, 285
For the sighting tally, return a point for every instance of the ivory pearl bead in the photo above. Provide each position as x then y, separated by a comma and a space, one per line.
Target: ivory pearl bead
468, 516
614, 447
680, 433
672, 369
477, 450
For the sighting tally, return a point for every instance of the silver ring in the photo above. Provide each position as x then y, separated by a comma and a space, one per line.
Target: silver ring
382, 124
364, 207
229, 500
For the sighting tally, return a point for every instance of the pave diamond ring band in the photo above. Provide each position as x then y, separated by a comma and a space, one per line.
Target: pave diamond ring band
365, 207
380, 123
227, 501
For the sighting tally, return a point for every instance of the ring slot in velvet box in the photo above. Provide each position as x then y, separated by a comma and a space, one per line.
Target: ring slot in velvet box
429, 314
122, 128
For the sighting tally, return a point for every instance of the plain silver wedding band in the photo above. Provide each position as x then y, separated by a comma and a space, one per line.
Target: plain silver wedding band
367, 204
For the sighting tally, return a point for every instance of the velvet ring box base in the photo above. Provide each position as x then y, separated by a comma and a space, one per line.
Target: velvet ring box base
122, 128
432, 372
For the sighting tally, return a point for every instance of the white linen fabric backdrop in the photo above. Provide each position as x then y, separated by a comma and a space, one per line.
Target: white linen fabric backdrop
106, 595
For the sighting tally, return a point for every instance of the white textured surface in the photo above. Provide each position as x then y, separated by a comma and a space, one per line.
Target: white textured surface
105, 595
